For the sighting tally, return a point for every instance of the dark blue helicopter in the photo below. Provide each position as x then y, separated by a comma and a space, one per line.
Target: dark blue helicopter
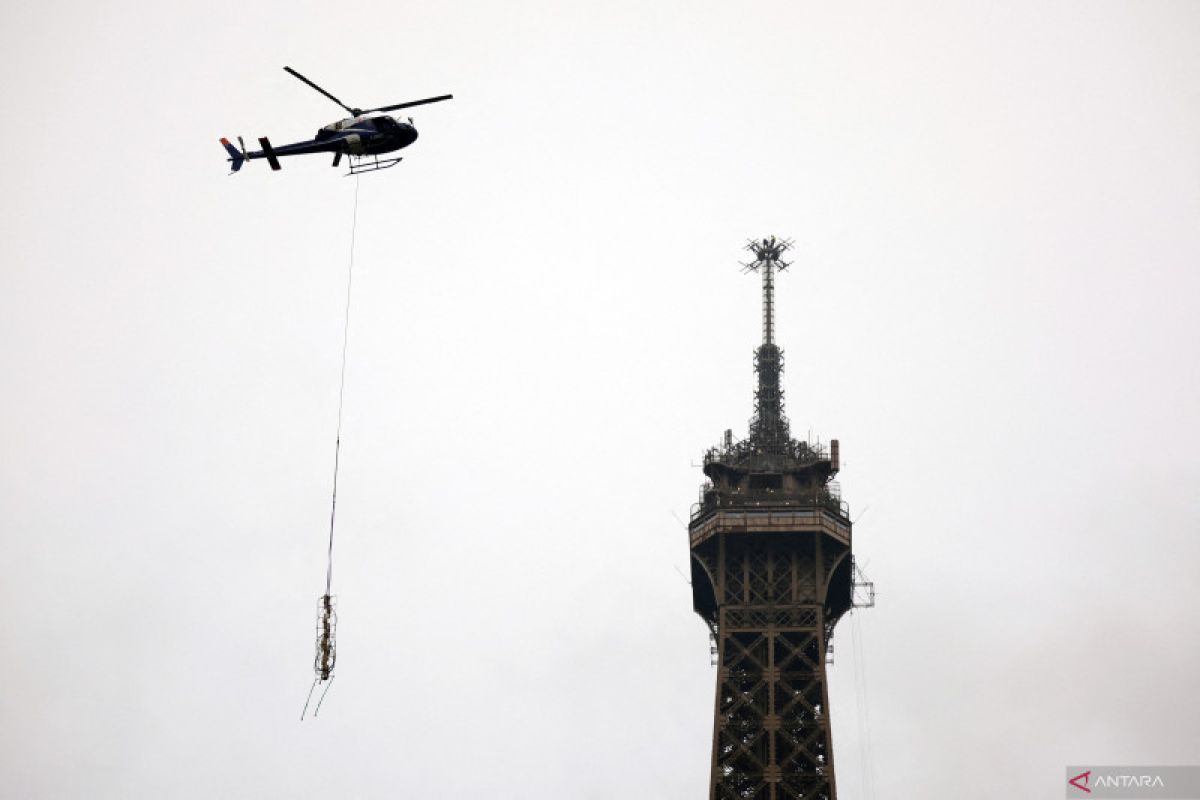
366, 133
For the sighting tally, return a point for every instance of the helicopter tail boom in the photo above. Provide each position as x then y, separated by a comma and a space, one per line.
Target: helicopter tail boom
236, 157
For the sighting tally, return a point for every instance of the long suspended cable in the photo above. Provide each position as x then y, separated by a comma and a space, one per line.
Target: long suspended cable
326, 614
337, 448
866, 759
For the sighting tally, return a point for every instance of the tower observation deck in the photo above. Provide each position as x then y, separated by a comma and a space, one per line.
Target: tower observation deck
772, 573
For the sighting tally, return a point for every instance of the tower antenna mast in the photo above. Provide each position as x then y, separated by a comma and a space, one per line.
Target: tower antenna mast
769, 430
767, 259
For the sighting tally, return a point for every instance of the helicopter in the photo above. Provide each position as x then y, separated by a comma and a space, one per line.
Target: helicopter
365, 133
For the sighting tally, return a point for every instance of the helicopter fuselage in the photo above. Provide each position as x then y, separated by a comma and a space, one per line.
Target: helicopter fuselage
354, 136
366, 133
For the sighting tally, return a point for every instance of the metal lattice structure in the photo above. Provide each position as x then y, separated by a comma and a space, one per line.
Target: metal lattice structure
772, 573
326, 656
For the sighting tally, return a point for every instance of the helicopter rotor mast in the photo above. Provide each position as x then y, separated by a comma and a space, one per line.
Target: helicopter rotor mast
358, 112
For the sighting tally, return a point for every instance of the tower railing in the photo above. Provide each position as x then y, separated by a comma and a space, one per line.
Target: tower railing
827, 497
738, 452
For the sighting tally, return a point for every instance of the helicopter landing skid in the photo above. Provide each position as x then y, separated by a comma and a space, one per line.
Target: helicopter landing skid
361, 164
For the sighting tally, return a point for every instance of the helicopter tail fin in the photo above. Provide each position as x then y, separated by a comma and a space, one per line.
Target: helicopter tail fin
236, 157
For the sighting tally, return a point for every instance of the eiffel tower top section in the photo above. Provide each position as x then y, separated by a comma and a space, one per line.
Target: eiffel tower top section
770, 446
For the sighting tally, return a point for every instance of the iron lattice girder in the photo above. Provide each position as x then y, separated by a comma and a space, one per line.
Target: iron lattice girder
772, 736
776, 596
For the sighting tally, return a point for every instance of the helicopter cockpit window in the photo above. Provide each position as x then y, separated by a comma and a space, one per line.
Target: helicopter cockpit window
341, 124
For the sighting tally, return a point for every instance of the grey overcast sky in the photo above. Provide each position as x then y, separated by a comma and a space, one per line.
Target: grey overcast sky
993, 307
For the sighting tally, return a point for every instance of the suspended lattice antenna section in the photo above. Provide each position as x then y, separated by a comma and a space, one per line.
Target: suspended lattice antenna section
769, 430
326, 657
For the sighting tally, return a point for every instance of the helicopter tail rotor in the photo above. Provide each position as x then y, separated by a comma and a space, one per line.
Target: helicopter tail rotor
236, 157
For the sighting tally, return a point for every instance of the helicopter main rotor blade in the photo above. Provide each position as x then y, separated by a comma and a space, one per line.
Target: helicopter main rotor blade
437, 99
354, 111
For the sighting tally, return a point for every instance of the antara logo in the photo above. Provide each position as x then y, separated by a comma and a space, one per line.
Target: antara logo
1129, 781
1083, 779
1080, 781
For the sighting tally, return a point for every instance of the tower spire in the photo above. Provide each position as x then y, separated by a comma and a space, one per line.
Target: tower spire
769, 428
772, 572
